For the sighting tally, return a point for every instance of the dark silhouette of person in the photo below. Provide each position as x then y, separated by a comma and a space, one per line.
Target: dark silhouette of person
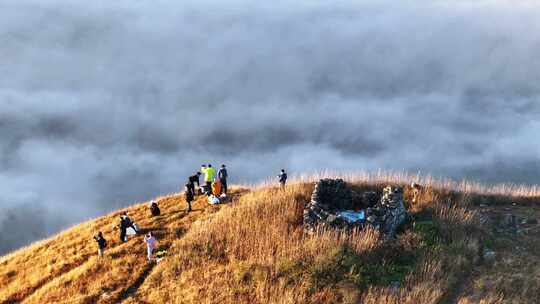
223, 175
194, 179
189, 196
282, 178
123, 227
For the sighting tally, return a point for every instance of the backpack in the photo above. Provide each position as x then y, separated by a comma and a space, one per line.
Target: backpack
155, 210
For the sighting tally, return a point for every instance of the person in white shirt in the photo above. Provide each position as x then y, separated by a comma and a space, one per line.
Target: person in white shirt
151, 243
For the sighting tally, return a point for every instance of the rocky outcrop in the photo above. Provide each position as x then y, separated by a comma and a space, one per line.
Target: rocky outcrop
331, 198
332, 194
370, 199
389, 213
328, 197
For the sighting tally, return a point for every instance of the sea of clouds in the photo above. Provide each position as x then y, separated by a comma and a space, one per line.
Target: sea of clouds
106, 103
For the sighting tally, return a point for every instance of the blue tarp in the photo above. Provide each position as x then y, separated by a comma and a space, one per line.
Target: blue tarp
352, 216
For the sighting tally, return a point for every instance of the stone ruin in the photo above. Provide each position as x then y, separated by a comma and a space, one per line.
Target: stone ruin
335, 205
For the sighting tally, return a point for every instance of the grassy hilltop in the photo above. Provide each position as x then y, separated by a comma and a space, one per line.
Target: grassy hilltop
454, 249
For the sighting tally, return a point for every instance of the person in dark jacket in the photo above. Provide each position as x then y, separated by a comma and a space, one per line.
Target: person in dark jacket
101, 243
154, 209
129, 222
194, 179
189, 196
123, 227
282, 178
223, 175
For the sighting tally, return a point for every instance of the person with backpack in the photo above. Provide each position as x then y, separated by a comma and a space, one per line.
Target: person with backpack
154, 208
101, 243
282, 178
192, 180
189, 196
222, 176
151, 243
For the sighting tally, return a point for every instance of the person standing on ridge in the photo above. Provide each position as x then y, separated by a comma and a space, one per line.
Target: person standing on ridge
194, 179
208, 177
123, 228
189, 196
282, 178
101, 242
203, 171
223, 175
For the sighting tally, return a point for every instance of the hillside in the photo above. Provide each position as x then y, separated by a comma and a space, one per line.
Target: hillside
457, 247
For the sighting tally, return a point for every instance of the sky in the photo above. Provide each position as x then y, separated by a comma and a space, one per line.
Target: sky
108, 103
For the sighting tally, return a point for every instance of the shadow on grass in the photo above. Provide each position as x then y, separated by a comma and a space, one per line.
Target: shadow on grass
133, 287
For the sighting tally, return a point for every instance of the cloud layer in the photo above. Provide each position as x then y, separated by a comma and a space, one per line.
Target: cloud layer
103, 104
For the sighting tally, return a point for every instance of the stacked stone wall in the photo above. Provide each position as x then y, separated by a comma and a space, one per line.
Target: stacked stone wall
331, 196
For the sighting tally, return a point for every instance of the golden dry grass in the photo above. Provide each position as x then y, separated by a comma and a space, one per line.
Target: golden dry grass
253, 250
65, 268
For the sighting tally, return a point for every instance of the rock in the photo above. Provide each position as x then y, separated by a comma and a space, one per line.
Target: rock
532, 221
324, 206
369, 199
315, 209
509, 220
332, 195
391, 210
331, 218
489, 255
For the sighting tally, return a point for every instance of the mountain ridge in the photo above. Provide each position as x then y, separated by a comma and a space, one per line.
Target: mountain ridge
253, 250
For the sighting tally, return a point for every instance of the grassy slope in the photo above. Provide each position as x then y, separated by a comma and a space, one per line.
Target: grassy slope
254, 251
66, 267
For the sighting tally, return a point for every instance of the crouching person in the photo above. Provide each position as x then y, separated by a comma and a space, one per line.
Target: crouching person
154, 209
101, 243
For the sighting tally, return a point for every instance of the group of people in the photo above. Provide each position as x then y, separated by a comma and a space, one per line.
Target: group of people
127, 227
124, 226
212, 187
